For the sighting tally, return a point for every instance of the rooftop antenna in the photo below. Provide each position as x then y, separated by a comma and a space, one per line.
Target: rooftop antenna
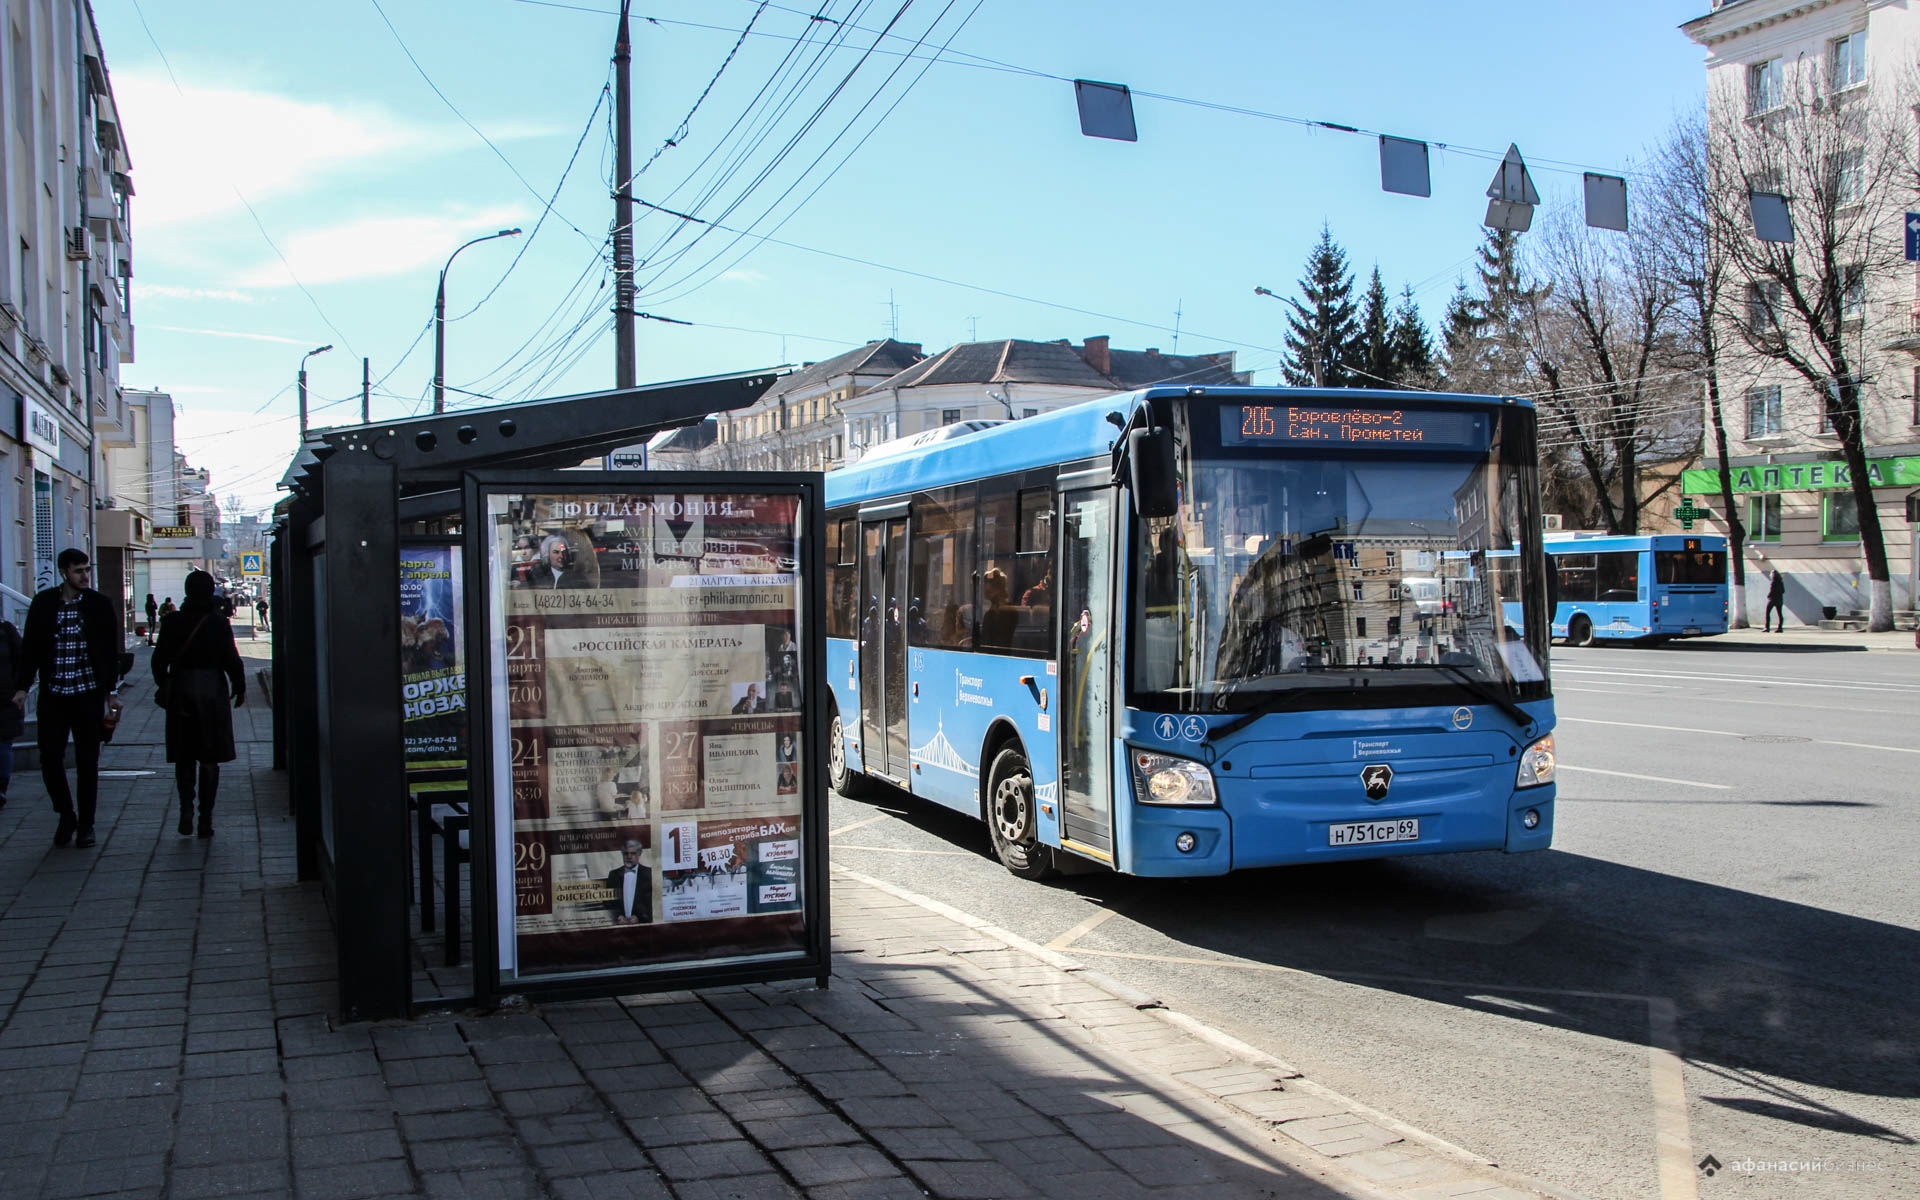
893, 317
973, 329
1177, 306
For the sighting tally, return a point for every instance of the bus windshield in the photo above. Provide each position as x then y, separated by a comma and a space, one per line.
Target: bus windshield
1690, 566
1390, 576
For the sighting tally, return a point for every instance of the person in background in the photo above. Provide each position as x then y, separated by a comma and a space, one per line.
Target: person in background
13, 718
167, 606
72, 646
200, 666
260, 607
153, 617
1776, 601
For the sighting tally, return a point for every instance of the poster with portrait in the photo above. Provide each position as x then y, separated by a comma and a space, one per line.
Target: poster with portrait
433, 670
647, 727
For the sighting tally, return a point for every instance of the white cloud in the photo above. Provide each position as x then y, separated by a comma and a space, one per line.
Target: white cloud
168, 291
193, 146
374, 247
743, 275
230, 333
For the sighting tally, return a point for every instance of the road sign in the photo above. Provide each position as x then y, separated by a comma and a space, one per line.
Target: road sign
1913, 237
1688, 514
253, 562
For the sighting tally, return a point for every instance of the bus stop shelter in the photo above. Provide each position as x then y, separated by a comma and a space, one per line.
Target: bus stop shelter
355, 493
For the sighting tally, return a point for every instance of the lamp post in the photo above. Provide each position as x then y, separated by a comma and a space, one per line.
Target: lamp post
440, 321
303, 386
1318, 375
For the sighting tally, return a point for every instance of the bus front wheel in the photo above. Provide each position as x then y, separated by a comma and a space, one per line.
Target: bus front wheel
1013, 818
1579, 632
849, 783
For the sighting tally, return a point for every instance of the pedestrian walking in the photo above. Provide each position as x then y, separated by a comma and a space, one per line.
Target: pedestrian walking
1776, 602
260, 606
196, 667
13, 718
72, 646
153, 617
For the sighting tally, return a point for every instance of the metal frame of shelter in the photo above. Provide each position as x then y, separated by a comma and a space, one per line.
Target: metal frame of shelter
356, 491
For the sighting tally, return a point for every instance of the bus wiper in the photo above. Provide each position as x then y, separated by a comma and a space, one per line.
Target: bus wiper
1271, 704
1486, 691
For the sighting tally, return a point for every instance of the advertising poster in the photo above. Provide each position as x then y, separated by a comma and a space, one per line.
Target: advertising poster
433, 669
647, 711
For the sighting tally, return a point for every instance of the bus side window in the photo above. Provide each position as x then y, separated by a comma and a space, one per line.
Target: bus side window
940, 561
1617, 575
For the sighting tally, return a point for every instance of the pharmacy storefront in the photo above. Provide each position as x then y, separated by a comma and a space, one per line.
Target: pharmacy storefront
1802, 518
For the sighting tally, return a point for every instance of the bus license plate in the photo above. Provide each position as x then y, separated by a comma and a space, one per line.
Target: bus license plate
1693, 629
1368, 833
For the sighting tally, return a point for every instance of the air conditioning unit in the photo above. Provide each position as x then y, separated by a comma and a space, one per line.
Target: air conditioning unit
1550, 522
79, 243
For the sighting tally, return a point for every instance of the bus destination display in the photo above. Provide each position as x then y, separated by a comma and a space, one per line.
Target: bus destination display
1340, 425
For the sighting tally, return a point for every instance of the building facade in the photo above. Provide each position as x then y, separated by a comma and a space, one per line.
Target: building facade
65, 327
1781, 60
831, 413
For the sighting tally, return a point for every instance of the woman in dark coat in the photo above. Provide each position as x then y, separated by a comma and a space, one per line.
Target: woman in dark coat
198, 663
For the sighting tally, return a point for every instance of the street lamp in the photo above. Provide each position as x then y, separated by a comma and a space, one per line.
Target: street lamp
440, 321
303, 386
1318, 374
1001, 396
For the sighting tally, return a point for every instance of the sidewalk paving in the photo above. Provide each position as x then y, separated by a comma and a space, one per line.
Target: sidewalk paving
1803, 639
167, 1029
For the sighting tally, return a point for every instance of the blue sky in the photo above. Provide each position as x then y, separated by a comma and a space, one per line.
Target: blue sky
965, 186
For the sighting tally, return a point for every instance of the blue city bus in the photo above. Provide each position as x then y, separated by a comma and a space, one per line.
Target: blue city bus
1645, 589
1182, 631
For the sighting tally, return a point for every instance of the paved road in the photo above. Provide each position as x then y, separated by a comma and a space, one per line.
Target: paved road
1719, 956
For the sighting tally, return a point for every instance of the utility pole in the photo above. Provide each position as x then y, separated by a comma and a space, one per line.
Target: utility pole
624, 369
366, 393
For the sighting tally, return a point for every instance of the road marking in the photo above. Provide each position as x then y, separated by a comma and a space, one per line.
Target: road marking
1723, 787
1749, 680
1081, 930
856, 825
906, 850
1730, 733
1672, 1136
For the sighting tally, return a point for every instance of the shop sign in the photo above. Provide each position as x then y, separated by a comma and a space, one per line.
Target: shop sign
173, 531
1796, 477
42, 427
655, 811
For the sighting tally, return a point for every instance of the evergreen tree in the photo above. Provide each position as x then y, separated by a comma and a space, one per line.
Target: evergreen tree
1460, 335
1507, 301
1322, 330
1377, 367
1409, 344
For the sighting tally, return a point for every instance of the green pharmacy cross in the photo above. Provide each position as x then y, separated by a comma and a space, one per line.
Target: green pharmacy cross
1688, 514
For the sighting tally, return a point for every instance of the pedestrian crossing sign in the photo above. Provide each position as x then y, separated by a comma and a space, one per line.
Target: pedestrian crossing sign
253, 562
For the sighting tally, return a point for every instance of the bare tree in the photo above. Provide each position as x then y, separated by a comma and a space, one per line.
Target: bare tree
1842, 162
1606, 341
1677, 216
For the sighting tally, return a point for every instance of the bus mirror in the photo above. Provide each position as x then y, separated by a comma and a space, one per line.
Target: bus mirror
1151, 471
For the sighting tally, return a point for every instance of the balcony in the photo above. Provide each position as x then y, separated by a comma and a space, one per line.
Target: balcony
1908, 341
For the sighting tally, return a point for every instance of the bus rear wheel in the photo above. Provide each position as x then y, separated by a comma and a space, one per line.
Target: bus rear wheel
849, 783
1579, 632
1013, 817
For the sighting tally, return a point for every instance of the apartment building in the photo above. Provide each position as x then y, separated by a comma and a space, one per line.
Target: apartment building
1771, 64
64, 322
830, 413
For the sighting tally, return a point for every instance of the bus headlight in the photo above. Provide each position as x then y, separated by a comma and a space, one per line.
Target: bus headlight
1536, 764
1163, 779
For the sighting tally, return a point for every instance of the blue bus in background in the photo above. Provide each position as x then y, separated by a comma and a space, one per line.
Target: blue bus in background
1185, 631
1637, 588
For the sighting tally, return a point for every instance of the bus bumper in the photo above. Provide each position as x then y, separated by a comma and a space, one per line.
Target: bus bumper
1156, 842
1536, 800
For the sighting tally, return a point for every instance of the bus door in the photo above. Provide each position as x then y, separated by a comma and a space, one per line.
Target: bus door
883, 643
1086, 666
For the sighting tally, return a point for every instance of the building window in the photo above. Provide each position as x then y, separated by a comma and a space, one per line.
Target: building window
1359, 627
1763, 306
1846, 176
1394, 592
1847, 61
1393, 558
1853, 292
1359, 590
1828, 398
1839, 517
1766, 86
949, 416
1763, 412
1763, 518
1029, 412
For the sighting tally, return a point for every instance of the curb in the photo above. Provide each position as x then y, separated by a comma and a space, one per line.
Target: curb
1378, 1151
